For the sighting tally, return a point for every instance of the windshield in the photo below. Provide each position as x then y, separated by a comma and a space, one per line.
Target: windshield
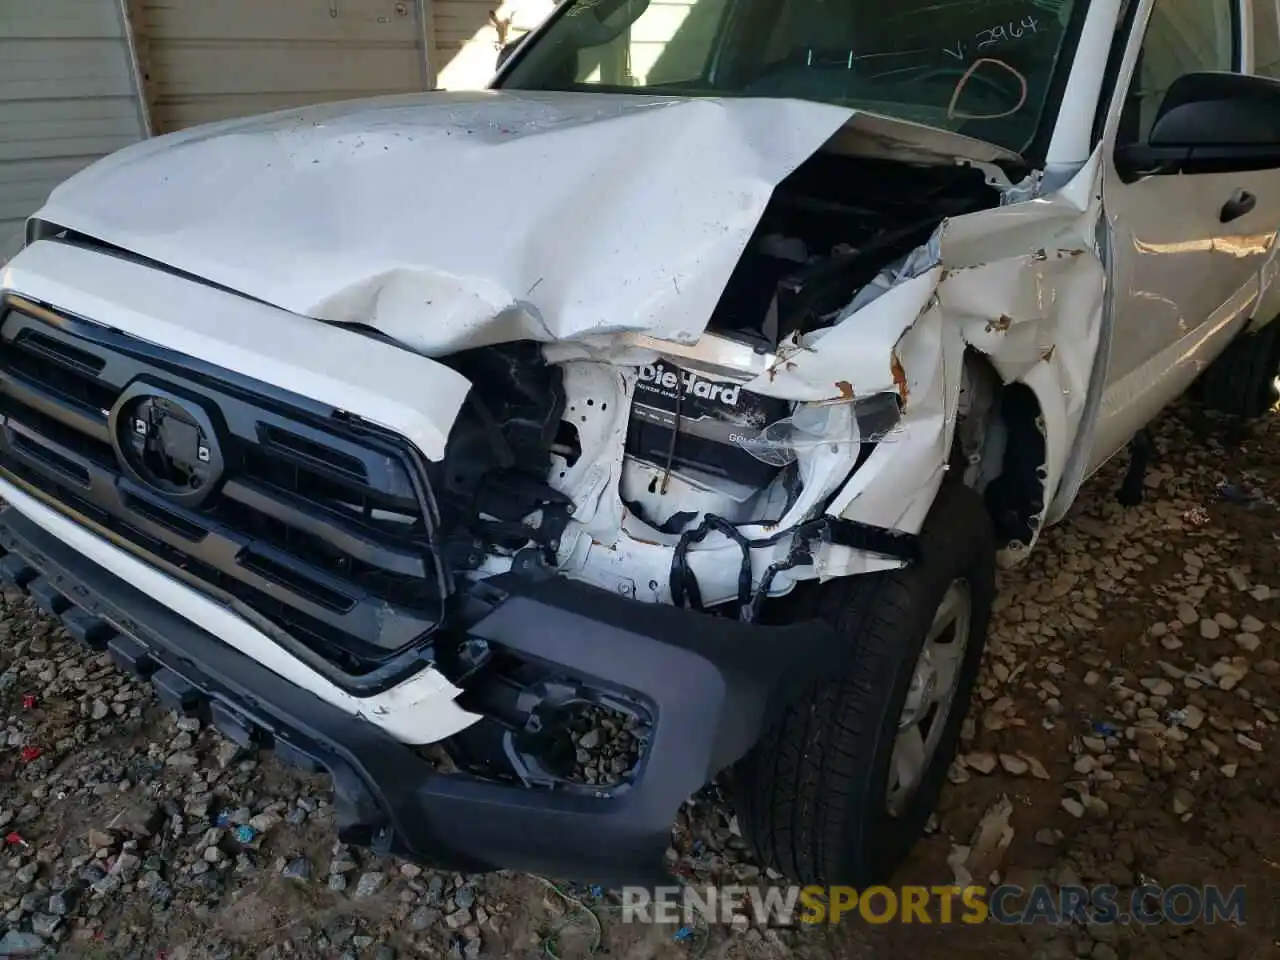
979, 67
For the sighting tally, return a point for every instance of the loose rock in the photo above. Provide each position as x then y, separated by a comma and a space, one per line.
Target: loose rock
369, 884
15, 944
1015, 766
983, 763
1183, 801
297, 869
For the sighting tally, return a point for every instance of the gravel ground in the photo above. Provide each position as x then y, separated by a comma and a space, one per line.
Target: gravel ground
1121, 733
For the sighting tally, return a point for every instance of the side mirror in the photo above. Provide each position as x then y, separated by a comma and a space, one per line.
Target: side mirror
1211, 122
1219, 110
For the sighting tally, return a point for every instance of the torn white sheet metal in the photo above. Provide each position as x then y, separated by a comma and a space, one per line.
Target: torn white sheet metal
607, 545
1034, 302
1034, 310
1022, 284
855, 356
895, 487
461, 219
449, 220
873, 135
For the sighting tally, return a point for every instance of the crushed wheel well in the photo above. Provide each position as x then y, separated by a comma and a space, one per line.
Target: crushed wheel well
1000, 446
1016, 496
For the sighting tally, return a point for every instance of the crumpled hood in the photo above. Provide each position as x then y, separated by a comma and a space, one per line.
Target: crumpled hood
450, 220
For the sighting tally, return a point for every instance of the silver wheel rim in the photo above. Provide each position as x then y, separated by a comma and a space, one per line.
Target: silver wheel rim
930, 698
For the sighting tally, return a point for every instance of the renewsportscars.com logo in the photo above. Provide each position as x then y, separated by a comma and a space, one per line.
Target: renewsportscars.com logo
1146, 905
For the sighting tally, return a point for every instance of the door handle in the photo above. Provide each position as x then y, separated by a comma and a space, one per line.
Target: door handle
1241, 202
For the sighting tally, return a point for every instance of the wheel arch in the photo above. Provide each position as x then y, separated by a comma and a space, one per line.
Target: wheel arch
1010, 445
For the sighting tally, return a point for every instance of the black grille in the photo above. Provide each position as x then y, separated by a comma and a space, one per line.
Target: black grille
319, 526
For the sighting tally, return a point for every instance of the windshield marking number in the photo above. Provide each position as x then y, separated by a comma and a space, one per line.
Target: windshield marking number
994, 36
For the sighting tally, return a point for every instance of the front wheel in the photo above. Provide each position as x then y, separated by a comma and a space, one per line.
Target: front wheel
842, 785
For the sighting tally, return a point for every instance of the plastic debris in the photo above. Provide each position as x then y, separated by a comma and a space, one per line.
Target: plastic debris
1104, 729
222, 820
597, 891
29, 753
245, 833
1196, 517
14, 839
683, 934
28, 701
1234, 493
698, 848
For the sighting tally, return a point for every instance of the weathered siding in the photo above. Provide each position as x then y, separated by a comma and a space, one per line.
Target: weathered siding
66, 98
217, 59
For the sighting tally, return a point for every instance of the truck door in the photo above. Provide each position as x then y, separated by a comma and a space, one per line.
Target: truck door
1186, 249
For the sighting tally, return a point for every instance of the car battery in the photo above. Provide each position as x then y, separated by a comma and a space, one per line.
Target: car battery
707, 418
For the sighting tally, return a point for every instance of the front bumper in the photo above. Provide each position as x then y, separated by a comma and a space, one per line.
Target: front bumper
710, 684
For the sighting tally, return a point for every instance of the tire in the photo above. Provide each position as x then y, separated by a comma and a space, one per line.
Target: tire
812, 795
1241, 382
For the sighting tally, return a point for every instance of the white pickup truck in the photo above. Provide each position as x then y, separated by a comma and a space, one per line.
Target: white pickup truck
682, 391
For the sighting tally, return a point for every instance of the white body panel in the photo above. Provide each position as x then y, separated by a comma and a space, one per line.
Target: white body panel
409, 394
384, 212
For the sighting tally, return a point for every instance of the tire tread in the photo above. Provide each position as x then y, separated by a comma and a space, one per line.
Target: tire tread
798, 792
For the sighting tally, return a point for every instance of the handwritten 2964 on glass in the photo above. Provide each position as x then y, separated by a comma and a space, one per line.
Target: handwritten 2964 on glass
994, 36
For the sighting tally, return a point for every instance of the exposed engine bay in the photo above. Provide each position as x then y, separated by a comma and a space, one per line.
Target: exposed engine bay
829, 229
692, 455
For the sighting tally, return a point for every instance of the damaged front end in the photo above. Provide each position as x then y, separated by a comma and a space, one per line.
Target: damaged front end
864, 347
609, 470
702, 475
599, 461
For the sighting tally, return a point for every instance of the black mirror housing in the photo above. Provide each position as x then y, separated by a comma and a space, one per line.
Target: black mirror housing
1219, 110
1210, 122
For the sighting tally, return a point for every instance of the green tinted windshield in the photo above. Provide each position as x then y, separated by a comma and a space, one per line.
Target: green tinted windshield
981, 67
